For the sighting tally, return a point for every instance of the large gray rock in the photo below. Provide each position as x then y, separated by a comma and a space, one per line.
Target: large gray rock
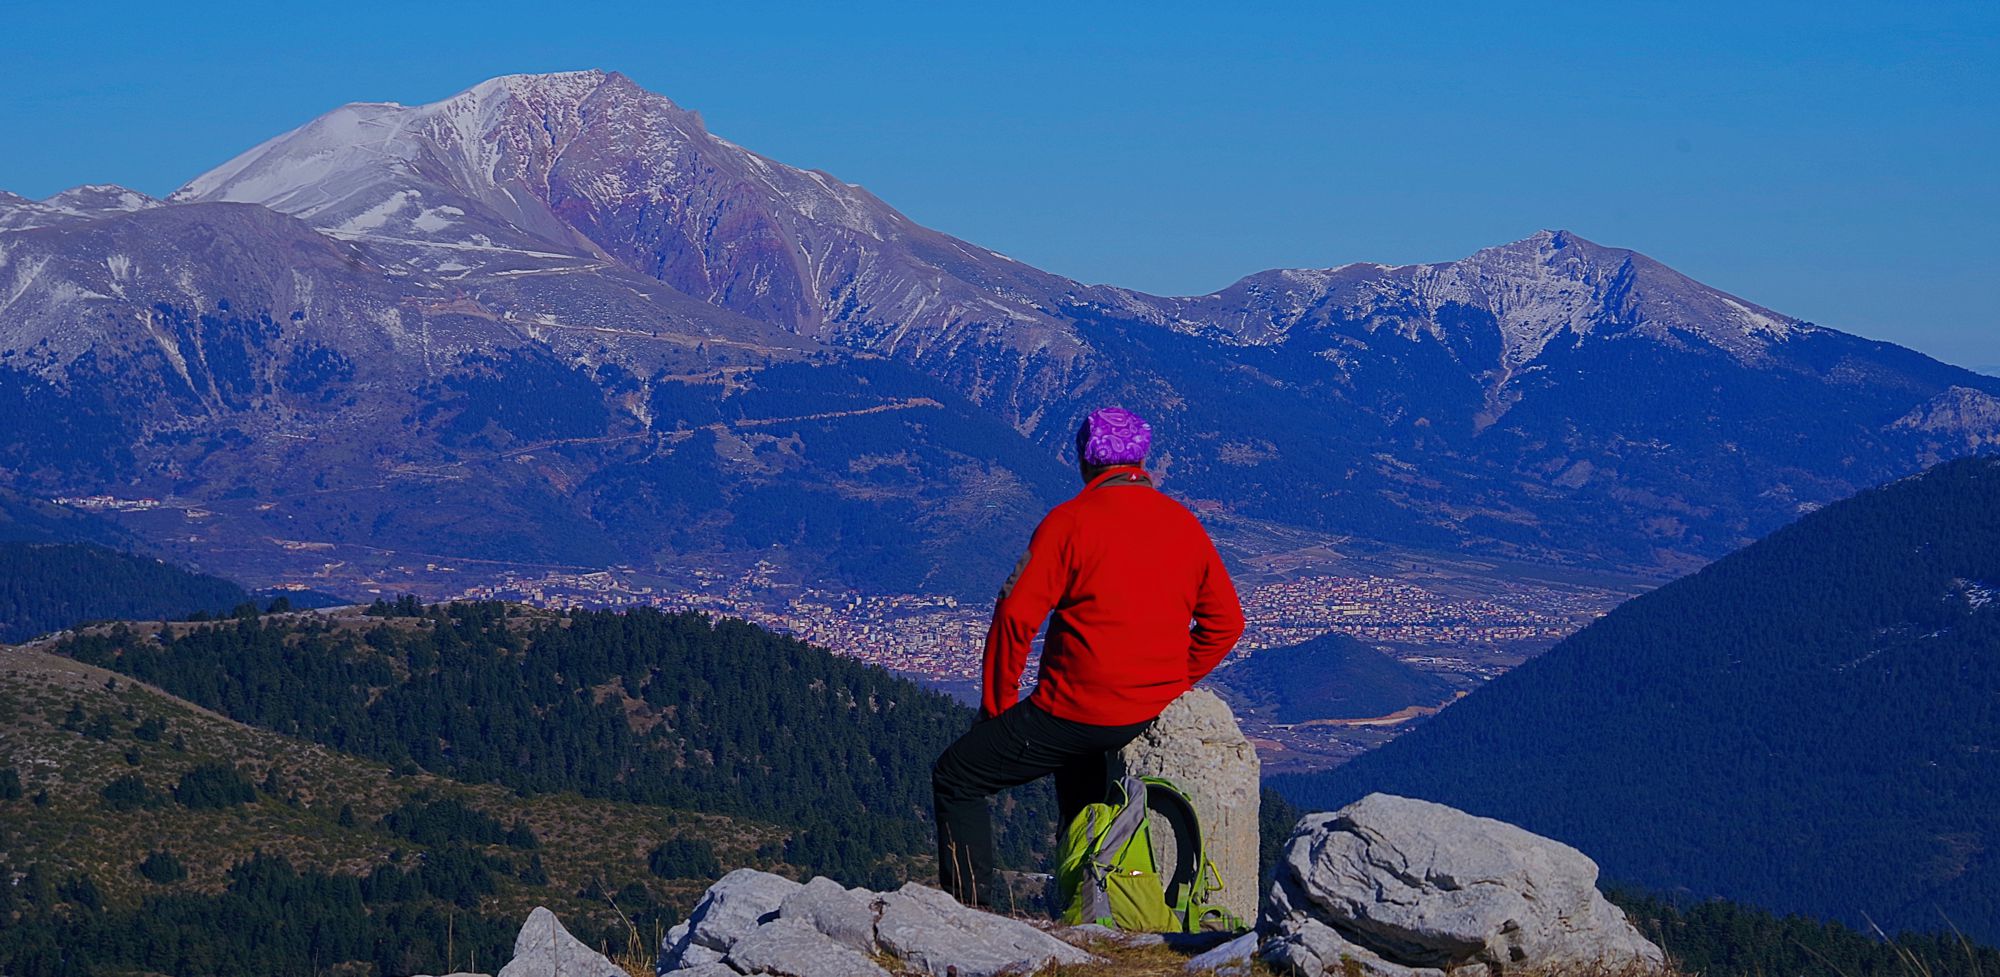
703, 970
1308, 946
545, 949
1197, 745
1231, 959
842, 915
736, 904
1408, 888
793, 948
929, 930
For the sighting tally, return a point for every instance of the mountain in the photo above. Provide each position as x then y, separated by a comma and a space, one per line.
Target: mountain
1332, 676
1808, 724
554, 321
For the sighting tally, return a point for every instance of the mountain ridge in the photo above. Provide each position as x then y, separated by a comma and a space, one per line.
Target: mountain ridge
349, 321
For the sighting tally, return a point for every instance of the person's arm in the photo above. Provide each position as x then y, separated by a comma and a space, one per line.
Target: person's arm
1033, 589
1218, 619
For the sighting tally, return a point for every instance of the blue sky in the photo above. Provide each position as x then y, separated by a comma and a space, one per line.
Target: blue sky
1832, 161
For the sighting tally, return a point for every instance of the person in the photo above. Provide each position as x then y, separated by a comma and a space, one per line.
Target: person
1143, 609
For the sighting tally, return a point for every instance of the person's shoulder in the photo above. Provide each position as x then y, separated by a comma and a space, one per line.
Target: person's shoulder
1064, 515
1178, 511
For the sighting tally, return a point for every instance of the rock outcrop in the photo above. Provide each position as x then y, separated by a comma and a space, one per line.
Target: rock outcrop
545, 949
752, 922
1197, 745
1408, 888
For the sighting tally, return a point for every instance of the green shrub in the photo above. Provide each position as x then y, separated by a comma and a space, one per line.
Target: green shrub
211, 786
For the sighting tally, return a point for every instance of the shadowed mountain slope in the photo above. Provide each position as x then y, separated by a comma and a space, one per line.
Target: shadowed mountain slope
1808, 724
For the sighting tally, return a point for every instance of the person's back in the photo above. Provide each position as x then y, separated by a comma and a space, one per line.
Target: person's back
1124, 570
1131, 568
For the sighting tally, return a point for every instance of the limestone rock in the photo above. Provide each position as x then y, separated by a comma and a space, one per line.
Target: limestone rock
793, 948
730, 909
545, 949
929, 930
1197, 745
1231, 959
703, 970
1407, 887
1310, 947
841, 914
679, 951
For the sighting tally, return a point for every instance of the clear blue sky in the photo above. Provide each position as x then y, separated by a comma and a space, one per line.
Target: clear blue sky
1833, 161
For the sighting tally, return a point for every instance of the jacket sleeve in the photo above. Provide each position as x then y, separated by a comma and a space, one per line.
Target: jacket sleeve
1031, 592
1218, 619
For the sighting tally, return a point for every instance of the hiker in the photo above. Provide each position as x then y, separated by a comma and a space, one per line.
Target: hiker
1125, 569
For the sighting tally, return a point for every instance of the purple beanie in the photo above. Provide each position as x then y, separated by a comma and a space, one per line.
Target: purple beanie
1113, 436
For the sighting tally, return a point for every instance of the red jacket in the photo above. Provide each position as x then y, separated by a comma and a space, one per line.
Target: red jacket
1125, 569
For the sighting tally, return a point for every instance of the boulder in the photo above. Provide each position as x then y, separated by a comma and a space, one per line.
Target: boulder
1408, 888
793, 948
703, 970
929, 930
1197, 745
545, 949
679, 951
842, 915
736, 904
1231, 959
1309, 946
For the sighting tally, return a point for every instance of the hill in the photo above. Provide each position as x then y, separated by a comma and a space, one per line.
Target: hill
1332, 676
1807, 725
321, 349
142, 833
639, 706
48, 586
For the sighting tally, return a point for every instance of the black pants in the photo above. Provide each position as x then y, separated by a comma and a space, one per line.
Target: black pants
1022, 744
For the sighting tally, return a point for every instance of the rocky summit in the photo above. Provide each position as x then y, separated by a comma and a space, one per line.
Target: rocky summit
554, 319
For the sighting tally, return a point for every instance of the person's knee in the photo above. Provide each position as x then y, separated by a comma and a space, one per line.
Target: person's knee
948, 780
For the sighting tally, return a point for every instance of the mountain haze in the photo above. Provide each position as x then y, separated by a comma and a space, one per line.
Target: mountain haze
554, 320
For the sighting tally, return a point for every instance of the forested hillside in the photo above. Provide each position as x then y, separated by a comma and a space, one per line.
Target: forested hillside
1811, 724
49, 586
640, 706
142, 834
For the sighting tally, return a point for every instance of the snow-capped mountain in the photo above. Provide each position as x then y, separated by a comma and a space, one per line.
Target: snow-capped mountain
547, 170
553, 318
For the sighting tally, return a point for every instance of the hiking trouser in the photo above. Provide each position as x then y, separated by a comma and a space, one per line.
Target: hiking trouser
1022, 744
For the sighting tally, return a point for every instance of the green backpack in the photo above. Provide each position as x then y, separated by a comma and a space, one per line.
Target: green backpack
1105, 872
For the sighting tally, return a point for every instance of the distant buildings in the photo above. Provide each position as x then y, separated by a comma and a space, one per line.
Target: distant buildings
938, 637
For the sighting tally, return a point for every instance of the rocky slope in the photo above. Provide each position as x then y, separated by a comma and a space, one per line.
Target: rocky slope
553, 319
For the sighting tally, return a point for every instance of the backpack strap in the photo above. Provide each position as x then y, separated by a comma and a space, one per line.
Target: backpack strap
1125, 824
1195, 879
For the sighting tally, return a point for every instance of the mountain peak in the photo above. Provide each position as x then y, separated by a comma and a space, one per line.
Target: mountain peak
99, 198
